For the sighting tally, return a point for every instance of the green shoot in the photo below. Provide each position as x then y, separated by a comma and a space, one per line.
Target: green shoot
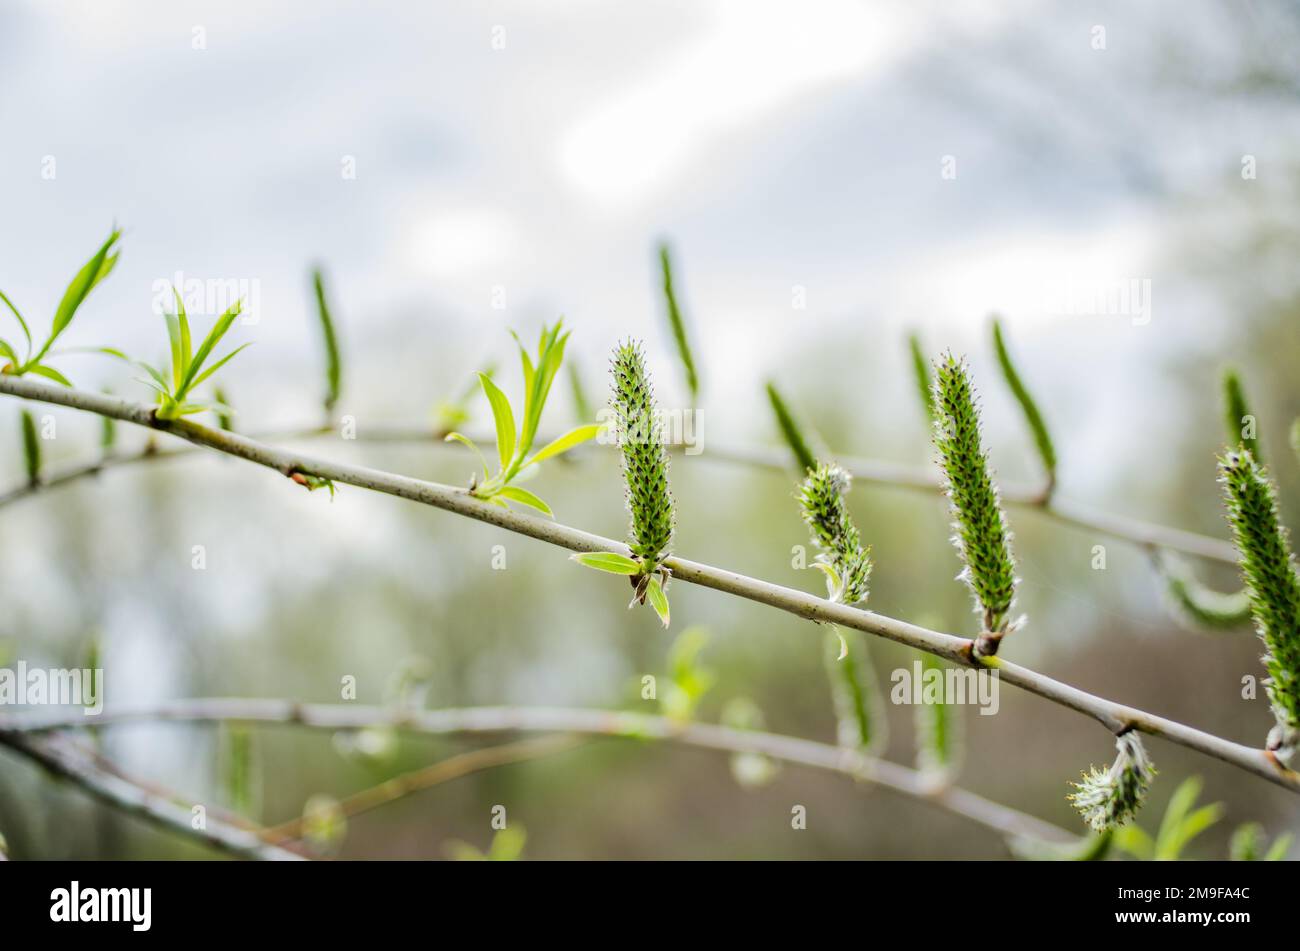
94, 271
174, 389
515, 439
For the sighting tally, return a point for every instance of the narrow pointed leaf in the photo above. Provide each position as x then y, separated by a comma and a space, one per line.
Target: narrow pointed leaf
333, 365
515, 494
92, 272
466, 441
1034, 419
921, 371
50, 374
22, 323
219, 364
794, 438
678, 323
658, 599
574, 437
504, 418
608, 561
31, 448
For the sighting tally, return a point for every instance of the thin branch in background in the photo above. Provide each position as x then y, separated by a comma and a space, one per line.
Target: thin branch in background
132, 798
443, 771
614, 723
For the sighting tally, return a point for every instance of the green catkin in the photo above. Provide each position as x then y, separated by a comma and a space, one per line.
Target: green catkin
1235, 412
1270, 575
981, 537
821, 499
645, 460
1108, 798
794, 437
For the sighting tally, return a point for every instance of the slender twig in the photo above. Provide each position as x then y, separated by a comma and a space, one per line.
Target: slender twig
134, 798
1116, 717
454, 767
875, 472
615, 723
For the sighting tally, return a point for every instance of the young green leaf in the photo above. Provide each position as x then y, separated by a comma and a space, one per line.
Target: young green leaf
1090, 848
466, 441
31, 449
785, 421
333, 367
658, 598
1240, 424
1181, 823
515, 494
921, 372
21, 323
608, 561
41, 369
504, 418
678, 323
581, 405
574, 437
99, 266
1042, 441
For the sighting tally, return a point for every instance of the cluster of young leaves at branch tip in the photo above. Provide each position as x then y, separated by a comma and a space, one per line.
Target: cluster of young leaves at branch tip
515, 440
94, 271
1270, 574
982, 538
1106, 798
645, 474
186, 372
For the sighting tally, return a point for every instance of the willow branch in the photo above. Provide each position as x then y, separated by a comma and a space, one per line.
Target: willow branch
116, 790
634, 726
1147, 535
1116, 717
